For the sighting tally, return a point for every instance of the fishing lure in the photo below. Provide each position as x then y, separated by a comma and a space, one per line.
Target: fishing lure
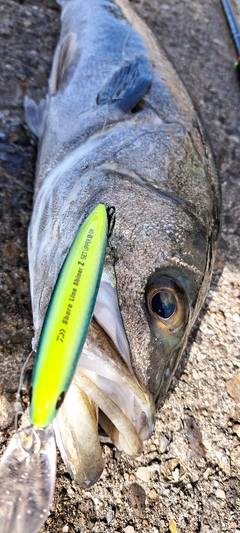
28, 466
234, 30
68, 317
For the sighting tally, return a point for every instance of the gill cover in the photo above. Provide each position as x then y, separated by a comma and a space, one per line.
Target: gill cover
68, 317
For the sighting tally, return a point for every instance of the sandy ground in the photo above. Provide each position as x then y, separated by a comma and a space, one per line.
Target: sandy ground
187, 480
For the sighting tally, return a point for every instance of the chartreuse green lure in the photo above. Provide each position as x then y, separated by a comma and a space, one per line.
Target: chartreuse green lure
68, 316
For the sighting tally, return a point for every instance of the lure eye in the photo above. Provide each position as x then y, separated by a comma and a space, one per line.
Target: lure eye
60, 400
167, 304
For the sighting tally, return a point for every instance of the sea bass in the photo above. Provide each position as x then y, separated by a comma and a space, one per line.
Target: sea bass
118, 128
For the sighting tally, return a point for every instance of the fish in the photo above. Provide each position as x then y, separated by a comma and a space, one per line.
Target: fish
118, 128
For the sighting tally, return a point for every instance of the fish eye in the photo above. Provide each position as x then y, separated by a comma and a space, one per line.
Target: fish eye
167, 304
164, 304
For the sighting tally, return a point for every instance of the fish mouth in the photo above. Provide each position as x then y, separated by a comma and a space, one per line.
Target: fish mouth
104, 391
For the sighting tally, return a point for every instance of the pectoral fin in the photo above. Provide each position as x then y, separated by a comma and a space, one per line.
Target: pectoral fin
35, 115
64, 58
128, 84
64, 62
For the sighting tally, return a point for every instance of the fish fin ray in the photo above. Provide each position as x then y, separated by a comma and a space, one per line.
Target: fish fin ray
64, 58
35, 115
128, 84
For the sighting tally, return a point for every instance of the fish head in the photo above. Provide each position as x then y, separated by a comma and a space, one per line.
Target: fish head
159, 254
155, 277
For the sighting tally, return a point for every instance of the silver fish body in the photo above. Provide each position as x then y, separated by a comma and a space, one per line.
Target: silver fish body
118, 127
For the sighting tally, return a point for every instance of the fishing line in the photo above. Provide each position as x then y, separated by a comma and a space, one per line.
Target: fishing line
123, 52
129, 33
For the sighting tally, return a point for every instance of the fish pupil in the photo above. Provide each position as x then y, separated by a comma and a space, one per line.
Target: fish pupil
164, 304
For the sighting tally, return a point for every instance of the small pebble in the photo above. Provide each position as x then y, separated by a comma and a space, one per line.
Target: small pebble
220, 316
87, 507
235, 309
27, 23
65, 529
99, 505
6, 410
143, 473
236, 429
129, 529
207, 473
195, 374
172, 469
233, 387
109, 514
224, 465
236, 415
153, 495
235, 457
10, 250
137, 497
220, 494
221, 350
163, 443
236, 317
175, 474
172, 526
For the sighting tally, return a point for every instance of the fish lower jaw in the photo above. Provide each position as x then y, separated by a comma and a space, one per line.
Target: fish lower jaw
127, 416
